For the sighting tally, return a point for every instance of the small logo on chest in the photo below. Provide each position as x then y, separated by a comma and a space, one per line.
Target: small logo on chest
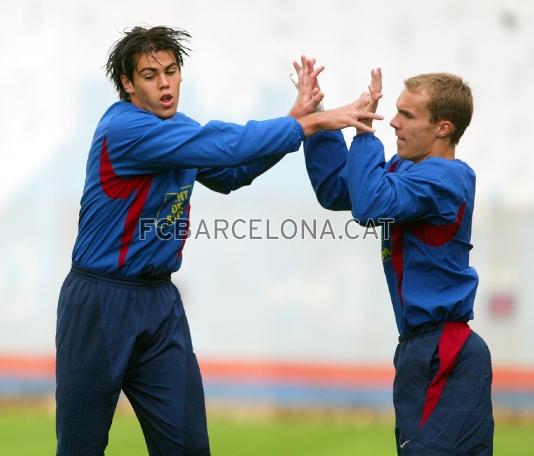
174, 205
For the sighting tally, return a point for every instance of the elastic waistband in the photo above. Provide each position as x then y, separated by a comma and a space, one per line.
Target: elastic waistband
140, 281
424, 329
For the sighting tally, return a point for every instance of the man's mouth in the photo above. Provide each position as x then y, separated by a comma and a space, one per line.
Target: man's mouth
166, 100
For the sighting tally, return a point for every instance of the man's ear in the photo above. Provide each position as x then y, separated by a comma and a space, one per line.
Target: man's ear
444, 128
127, 84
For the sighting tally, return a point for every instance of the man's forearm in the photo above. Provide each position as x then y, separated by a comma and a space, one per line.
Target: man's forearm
350, 115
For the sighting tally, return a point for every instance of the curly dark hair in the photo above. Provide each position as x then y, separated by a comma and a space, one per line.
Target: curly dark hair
125, 53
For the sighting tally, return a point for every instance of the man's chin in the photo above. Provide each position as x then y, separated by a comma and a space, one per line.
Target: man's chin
166, 113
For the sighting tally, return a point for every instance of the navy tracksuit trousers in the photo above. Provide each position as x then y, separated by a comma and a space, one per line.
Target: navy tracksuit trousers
130, 335
442, 393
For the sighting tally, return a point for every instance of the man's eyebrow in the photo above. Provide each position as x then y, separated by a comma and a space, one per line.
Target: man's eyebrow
155, 69
404, 111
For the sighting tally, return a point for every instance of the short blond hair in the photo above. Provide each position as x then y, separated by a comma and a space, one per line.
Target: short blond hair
450, 98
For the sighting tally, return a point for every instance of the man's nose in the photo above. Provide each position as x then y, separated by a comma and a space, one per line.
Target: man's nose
163, 82
394, 123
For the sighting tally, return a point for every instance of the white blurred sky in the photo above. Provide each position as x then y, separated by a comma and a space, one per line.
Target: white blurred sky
52, 50
270, 299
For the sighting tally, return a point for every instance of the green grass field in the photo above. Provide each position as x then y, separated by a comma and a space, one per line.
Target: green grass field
26, 432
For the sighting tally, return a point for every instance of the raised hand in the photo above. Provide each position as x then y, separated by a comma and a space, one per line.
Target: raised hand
375, 89
354, 114
375, 93
309, 94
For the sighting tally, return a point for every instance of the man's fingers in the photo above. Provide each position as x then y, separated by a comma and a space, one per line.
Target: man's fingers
369, 115
317, 71
294, 79
379, 75
376, 81
317, 97
309, 68
375, 94
376, 75
375, 90
361, 102
303, 61
362, 127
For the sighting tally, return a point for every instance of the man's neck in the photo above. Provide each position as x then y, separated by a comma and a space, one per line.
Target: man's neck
443, 149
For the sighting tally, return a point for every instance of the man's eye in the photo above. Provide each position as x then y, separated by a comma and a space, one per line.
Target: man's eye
171, 71
149, 77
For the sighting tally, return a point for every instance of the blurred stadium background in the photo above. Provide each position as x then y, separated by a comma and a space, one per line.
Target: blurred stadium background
288, 327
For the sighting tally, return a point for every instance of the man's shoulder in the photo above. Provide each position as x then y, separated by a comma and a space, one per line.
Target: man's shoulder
451, 169
119, 111
463, 166
123, 117
440, 166
120, 107
180, 117
398, 165
453, 177
124, 109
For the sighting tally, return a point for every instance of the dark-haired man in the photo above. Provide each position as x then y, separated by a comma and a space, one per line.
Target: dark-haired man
442, 387
121, 323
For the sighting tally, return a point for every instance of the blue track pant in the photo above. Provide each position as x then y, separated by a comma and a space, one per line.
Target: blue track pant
442, 393
114, 335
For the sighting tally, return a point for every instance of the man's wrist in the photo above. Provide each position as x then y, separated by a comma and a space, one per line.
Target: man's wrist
311, 123
298, 112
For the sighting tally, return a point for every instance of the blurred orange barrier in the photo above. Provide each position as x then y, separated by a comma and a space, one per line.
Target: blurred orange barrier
27, 366
285, 372
344, 375
513, 378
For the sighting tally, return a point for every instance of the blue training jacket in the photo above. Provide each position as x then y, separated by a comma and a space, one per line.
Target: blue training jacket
140, 175
426, 257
